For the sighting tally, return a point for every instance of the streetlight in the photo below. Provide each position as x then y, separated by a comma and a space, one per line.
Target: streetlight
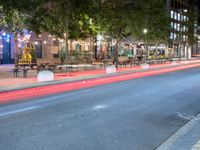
145, 31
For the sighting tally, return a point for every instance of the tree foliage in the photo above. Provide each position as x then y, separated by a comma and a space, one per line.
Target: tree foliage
12, 21
84, 18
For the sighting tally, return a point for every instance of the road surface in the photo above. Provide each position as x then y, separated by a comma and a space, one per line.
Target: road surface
138, 114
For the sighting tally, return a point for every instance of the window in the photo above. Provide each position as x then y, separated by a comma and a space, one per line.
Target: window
172, 25
171, 36
175, 16
175, 36
175, 26
38, 49
184, 28
178, 27
172, 14
184, 37
55, 55
179, 17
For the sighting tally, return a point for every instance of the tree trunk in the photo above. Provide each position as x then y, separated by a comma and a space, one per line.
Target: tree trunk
156, 51
118, 38
95, 48
67, 47
16, 49
187, 53
147, 48
180, 52
117, 52
107, 49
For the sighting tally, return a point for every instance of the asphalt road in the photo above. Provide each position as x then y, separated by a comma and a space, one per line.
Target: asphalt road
133, 115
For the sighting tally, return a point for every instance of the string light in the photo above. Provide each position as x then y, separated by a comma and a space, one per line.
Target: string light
19, 45
61, 40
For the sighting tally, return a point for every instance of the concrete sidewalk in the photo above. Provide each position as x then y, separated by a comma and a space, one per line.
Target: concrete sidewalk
9, 83
186, 138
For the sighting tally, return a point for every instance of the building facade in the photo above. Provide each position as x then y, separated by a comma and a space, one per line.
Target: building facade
184, 23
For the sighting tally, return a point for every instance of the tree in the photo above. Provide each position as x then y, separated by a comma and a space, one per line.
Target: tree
151, 15
11, 21
192, 24
113, 17
83, 18
131, 17
63, 18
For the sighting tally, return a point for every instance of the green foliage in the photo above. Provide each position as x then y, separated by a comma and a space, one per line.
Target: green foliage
192, 26
82, 27
84, 18
151, 15
12, 21
62, 55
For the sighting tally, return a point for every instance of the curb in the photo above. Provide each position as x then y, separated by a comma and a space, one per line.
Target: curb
168, 144
41, 91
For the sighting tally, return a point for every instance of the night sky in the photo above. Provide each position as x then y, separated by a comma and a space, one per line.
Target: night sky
199, 4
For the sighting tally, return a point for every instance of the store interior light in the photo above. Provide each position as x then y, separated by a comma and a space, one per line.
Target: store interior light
4, 34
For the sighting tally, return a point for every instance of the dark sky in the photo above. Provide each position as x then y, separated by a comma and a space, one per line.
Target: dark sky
199, 4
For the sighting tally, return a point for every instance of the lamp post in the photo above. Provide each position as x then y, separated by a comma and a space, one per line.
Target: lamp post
145, 31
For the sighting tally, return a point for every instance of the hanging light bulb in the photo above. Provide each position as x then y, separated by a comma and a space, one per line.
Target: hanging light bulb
19, 45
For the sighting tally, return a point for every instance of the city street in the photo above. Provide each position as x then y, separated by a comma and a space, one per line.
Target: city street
138, 114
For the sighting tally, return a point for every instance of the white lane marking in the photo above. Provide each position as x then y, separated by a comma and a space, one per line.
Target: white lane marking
18, 111
98, 107
184, 116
